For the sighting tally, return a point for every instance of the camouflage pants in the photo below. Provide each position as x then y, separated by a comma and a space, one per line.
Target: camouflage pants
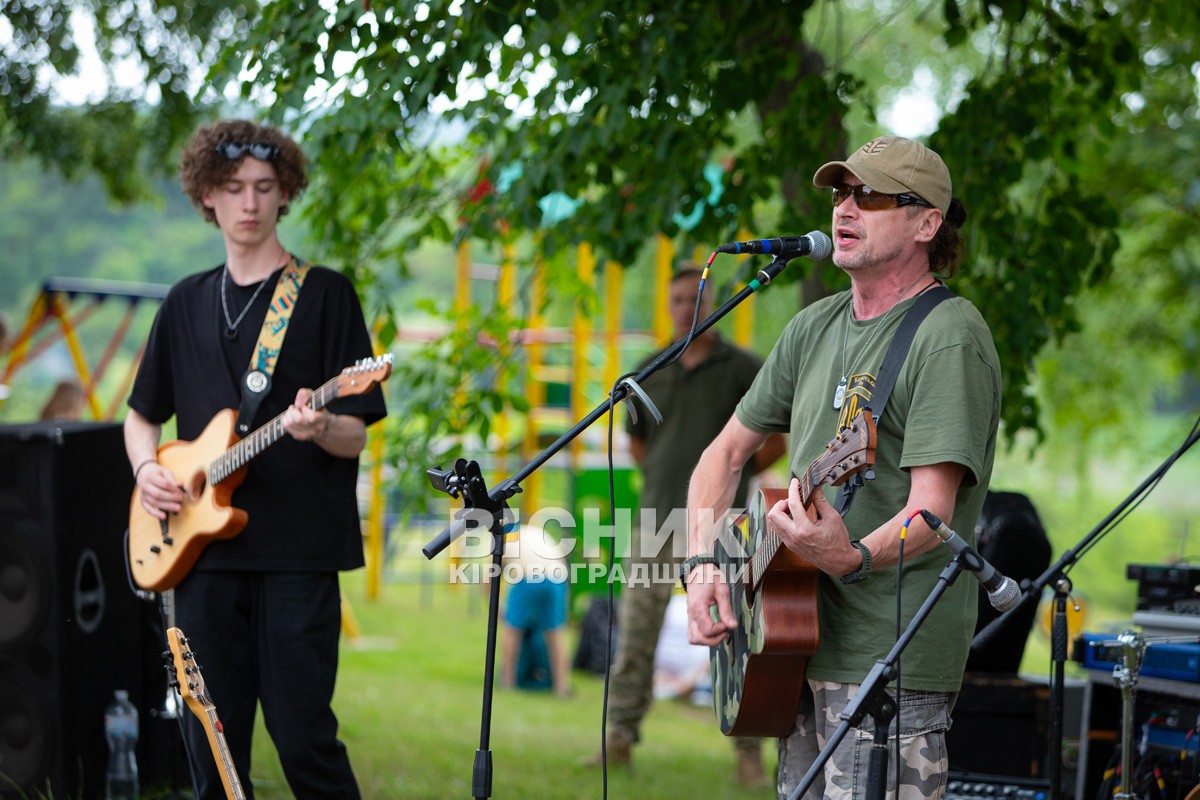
924, 718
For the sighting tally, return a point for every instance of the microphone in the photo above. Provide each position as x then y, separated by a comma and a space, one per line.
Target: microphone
814, 244
1003, 592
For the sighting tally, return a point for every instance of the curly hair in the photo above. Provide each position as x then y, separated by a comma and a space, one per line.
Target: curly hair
202, 168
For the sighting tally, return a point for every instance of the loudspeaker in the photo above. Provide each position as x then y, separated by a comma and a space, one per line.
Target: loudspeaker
71, 630
999, 726
1009, 534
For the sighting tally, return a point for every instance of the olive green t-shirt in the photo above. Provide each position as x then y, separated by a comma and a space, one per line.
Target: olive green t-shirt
696, 404
945, 407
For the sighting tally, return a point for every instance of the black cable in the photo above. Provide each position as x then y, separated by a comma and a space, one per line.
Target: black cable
899, 625
612, 505
1142, 496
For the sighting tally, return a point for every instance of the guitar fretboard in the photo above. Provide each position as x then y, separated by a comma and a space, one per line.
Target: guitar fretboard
850, 451
241, 453
770, 539
225, 758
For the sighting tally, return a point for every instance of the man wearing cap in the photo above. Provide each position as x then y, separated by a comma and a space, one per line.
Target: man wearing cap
895, 233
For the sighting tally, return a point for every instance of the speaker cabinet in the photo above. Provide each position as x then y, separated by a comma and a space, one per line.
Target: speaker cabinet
999, 726
71, 630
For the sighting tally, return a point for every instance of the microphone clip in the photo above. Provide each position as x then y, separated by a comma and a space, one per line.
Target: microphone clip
635, 388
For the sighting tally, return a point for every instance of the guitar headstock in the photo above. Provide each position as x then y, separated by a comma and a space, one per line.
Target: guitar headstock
187, 673
851, 451
365, 373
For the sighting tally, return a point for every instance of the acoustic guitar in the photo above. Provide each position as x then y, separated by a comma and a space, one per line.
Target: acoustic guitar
210, 467
195, 694
758, 670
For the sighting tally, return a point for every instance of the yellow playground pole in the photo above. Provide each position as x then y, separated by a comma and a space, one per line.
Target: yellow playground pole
506, 296
743, 315
377, 507
581, 329
535, 388
59, 310
664, 252
613, 275
462, 302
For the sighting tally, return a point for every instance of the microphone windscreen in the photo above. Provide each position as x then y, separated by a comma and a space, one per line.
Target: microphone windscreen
822, 246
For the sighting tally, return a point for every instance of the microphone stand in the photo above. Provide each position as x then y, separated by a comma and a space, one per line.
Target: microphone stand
871, 698
481, 506
1056, 576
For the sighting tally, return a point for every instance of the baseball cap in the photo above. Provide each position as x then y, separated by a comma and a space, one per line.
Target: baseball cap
894, 165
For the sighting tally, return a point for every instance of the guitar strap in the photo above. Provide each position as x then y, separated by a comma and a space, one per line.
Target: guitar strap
889, 372
256, 383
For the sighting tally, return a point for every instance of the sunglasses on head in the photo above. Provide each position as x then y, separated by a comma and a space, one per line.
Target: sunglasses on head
868, 199
234, 150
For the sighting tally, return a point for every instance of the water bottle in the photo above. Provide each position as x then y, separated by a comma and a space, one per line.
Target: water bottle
121, 731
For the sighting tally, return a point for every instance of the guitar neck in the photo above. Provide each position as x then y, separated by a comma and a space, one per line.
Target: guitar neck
850, 452
241, 453
220, 748
771, 542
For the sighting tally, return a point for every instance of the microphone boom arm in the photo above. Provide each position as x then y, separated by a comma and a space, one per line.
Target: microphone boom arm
511, 486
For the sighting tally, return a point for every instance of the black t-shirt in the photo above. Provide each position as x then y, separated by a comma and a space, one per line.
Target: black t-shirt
303, 513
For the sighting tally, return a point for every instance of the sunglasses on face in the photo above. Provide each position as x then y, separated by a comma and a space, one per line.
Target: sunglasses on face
868, 199
234, 150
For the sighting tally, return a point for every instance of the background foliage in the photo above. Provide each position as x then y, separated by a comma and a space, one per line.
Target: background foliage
1069, 129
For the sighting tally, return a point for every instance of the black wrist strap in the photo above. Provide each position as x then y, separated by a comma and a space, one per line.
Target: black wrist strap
691, 563
888, 373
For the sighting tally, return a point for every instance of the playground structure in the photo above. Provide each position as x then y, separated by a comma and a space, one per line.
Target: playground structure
63, 305
53, 306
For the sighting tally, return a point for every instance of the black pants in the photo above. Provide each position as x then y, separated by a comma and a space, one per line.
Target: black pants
269, 638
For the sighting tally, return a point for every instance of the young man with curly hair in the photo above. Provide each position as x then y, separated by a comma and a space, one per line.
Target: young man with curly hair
264, 607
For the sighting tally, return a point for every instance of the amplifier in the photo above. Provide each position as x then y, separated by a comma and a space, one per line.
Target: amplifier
1177, 662
973, 786
1166, 587
1172, 728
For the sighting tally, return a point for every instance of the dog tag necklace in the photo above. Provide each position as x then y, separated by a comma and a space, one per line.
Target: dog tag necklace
839, 393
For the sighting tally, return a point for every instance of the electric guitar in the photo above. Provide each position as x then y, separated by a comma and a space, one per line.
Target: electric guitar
195, 694
210, 467
758, 670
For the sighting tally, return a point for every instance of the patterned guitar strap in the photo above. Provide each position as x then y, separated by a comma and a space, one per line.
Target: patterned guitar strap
256, 383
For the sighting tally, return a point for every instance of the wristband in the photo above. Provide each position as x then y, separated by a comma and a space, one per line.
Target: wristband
137, 470
862, 572
325, 431
691, 563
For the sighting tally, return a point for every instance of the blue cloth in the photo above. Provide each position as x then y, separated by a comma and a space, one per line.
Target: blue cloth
536, 605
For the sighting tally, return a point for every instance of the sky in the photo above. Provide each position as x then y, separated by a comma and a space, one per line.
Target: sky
914, 113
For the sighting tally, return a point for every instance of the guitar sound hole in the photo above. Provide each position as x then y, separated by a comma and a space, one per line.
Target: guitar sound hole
196, 487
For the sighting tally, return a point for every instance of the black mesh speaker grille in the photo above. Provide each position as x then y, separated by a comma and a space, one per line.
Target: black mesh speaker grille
70, 629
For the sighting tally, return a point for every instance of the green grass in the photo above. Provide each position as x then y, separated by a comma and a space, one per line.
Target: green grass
409, 701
